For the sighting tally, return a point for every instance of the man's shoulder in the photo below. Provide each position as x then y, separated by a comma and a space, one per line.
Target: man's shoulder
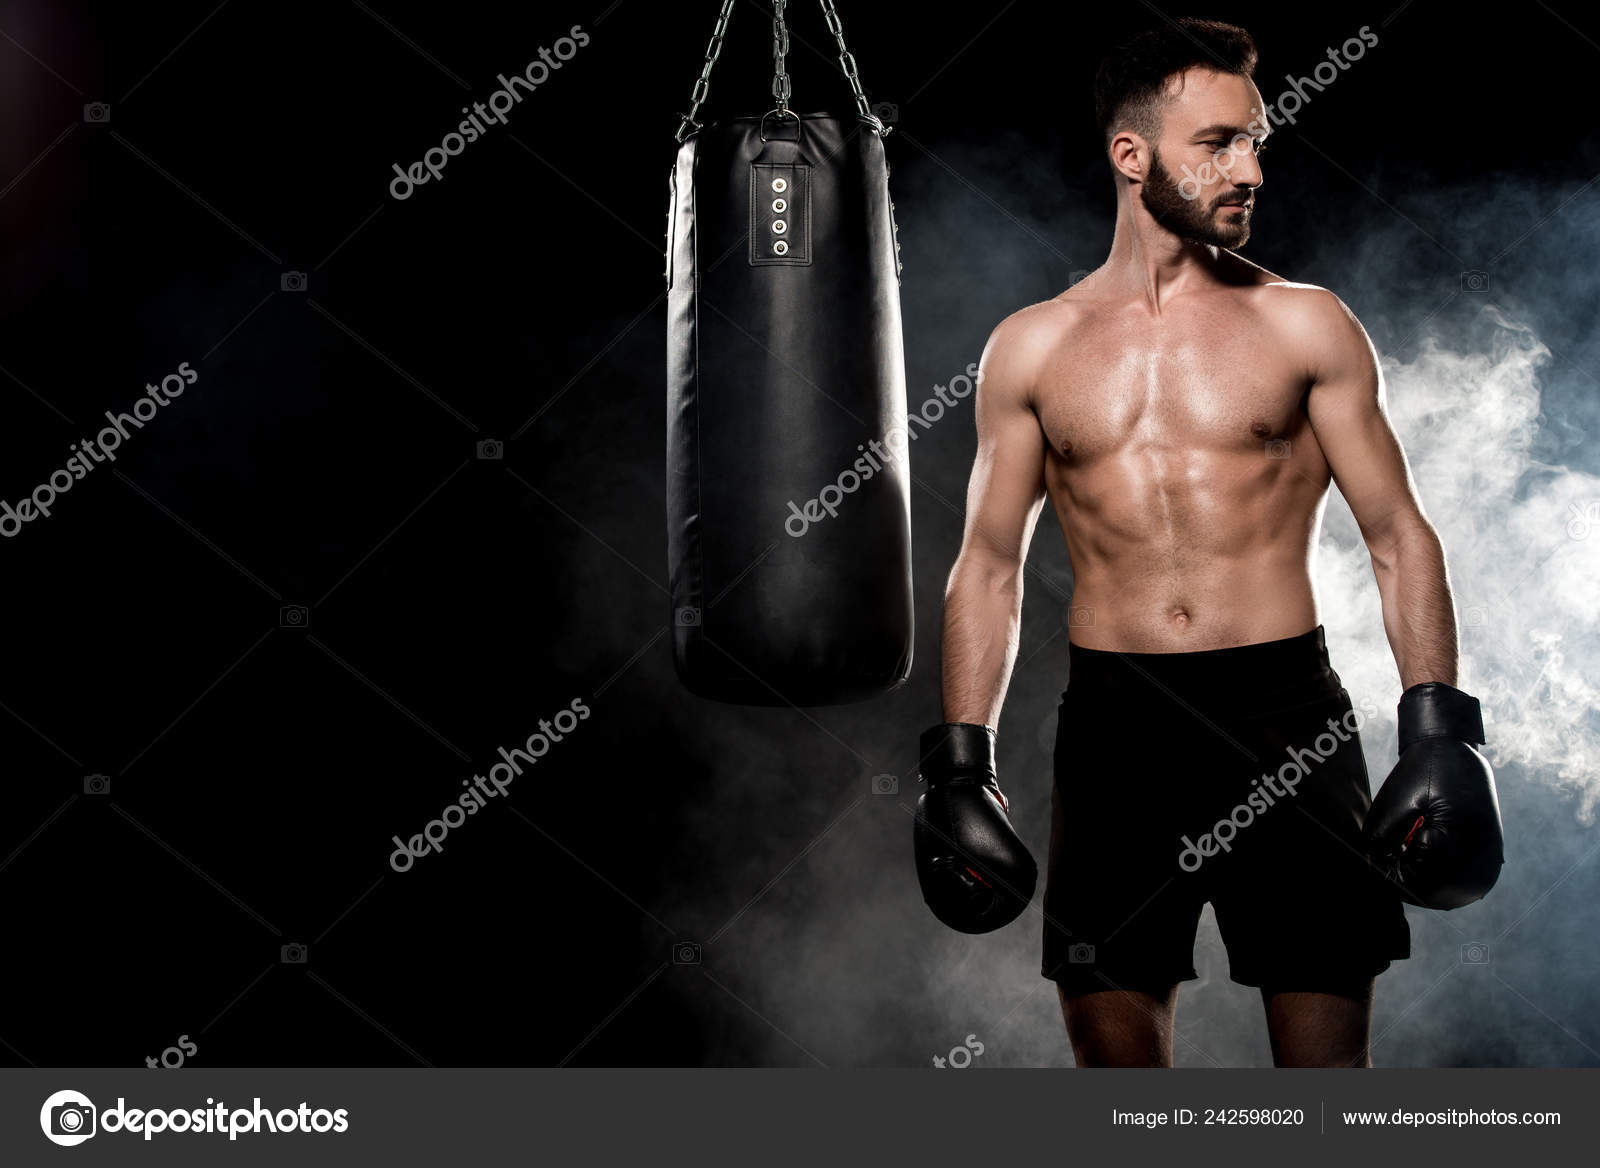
1040, 326
1280, 296
1312, 325
1020, 346
1308, 314
1293, 296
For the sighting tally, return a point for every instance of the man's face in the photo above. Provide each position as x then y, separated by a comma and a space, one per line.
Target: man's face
1203, 173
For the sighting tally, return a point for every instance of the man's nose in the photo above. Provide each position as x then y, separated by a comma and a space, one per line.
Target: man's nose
1246, 171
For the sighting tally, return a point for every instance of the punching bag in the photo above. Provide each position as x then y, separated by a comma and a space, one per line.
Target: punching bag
788, 500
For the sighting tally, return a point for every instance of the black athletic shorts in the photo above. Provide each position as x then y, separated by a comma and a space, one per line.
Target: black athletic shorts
1233, 776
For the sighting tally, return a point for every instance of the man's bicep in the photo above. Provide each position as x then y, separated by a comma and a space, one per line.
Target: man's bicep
1006, 491
1349, 417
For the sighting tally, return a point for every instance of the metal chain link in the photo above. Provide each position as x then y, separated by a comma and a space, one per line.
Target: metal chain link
702, 85
780, 79
847, 62
780, 49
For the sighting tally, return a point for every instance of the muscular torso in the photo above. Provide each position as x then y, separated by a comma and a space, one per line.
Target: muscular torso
1183, 469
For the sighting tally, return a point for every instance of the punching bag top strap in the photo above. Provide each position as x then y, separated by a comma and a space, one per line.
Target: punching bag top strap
780, 78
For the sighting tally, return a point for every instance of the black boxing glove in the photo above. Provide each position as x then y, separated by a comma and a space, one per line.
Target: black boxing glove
1434, 828
976, 873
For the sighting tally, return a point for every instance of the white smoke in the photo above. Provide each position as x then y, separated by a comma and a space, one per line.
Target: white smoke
1522, 541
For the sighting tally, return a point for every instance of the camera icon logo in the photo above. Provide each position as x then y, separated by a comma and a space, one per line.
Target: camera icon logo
1474, 281
687, 617
1475, 953
1278, 448
294, 616
1475, 617
97, 113
885, 785
686, 953
491, 448
1080, 616
293, 953
292, 282
1081, 954
97, 784
1582, 520
886, 112
68, 1118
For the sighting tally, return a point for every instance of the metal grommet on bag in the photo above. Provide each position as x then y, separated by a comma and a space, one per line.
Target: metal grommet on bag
781, 247
786, 216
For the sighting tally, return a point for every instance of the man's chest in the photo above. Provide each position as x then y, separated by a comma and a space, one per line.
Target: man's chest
1211, 381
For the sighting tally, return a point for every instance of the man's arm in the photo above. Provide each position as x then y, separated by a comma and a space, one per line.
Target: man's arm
1433, 829
1348, 416
983, 599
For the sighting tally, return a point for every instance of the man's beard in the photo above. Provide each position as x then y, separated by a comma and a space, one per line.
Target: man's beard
1190, 218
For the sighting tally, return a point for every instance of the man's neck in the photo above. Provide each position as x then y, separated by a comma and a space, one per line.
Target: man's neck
1150, 263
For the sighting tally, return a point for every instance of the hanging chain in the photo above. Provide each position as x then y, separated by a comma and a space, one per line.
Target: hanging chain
780, 79
702, 86
847, 62
780, 49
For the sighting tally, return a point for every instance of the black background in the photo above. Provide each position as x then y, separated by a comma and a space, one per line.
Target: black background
327, 458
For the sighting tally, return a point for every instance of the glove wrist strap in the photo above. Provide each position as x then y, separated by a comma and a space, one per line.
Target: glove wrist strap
957, 748
1436, 710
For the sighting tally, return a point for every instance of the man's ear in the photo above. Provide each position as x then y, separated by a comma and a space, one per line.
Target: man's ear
1130, 156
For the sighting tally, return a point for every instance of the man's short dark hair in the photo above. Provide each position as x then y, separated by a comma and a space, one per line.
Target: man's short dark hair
1130, 85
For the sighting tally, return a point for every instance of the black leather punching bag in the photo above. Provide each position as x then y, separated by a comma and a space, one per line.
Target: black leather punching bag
788, 502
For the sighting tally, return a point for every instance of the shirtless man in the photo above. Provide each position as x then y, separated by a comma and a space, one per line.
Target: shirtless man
1184, 412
